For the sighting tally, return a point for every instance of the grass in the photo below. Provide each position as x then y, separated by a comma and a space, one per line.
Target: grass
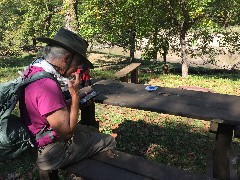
163, 138
172, 140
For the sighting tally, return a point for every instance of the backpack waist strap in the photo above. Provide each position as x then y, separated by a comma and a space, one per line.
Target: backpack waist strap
43, 132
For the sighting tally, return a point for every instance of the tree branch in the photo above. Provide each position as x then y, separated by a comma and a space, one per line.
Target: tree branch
172, 13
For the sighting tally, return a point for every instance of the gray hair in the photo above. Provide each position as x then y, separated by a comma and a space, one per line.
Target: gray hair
51, 53
54, 52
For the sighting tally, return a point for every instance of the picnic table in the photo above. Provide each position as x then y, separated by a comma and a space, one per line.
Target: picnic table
221, 109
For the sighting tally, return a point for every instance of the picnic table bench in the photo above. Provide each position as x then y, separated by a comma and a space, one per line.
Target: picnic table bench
128, 167
220, 109
123, 167
130, 69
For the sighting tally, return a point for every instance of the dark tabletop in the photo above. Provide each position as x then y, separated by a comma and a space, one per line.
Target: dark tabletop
174, 101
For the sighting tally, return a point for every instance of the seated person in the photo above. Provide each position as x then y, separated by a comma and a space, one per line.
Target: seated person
51, 120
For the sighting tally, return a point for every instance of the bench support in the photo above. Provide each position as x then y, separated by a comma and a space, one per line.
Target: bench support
124, 78
134, 76
222, 151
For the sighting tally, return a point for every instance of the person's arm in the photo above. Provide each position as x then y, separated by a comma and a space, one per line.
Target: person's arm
64, 120
73, 86
81, 95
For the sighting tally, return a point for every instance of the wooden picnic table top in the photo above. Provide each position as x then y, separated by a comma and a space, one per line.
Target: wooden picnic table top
174, 101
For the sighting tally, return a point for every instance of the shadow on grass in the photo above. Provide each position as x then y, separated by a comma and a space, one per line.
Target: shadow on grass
170, 143
22, 167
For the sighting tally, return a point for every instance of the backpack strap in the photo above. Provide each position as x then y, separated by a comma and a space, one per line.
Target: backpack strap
37, 76
43, 132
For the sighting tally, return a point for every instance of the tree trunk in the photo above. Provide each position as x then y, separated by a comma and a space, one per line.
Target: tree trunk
165, 48
70, 21
154, 55
164, 57
183, 55
155, 44
132, 44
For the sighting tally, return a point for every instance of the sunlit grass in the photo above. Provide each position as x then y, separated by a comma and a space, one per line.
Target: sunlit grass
214, 83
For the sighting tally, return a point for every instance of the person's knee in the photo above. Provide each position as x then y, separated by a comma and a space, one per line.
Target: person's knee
86, 129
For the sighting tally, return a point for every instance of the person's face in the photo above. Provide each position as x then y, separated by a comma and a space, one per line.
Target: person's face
76, 62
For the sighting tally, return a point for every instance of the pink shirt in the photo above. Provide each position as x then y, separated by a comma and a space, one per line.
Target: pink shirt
41, 98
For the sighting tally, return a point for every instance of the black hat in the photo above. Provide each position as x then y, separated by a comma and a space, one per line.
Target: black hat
69, 41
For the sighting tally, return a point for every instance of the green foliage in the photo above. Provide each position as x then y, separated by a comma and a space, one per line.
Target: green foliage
154, 22
131, 24
107, 21
24, 20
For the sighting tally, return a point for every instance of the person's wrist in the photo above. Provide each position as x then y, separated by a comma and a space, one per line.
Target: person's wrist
75, 98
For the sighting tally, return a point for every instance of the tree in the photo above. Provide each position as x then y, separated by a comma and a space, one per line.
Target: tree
165, 24
202, 20
184, 19
111, 22
160, 21
70, 20
227, 16
26, 19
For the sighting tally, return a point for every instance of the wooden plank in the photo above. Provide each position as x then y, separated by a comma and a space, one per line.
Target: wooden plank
123, 72
175, 101
91, 169
125, 166
143, 167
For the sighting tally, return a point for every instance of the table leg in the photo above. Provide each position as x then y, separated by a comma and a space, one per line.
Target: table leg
88, 116
221, 152
124, 79
134, 76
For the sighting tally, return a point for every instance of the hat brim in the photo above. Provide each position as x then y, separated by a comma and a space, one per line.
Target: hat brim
86, 62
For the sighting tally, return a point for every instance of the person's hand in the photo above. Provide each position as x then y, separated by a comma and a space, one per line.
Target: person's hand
74, 86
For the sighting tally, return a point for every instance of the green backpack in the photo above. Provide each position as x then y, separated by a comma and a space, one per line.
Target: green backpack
14, 135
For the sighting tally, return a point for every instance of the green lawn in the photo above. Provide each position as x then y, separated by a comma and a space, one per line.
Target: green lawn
172, 140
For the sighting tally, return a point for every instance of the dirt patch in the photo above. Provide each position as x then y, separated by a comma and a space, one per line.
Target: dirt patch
95, 57
106, 61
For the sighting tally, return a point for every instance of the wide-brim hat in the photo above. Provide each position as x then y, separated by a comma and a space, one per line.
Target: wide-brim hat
71, 42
